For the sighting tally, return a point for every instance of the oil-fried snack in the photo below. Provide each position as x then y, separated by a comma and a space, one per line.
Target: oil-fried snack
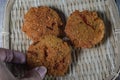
41, 21
50, 52
84, 29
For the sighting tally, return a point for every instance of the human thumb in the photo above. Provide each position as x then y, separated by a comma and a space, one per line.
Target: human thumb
37, 73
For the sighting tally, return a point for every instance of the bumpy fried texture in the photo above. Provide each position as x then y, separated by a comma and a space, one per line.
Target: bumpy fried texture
84, 29
50, 52
41, 21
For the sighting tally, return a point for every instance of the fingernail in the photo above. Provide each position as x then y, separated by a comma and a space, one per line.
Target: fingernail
19, 57
42, 71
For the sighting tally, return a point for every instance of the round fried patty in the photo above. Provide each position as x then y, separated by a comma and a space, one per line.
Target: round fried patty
84, 29
50, 52
41, 21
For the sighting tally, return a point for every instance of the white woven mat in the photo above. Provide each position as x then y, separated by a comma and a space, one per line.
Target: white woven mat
98, 63
2, 5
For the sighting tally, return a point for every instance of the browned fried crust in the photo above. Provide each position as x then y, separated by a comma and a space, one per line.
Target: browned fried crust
52, 53
85, 28
41, 21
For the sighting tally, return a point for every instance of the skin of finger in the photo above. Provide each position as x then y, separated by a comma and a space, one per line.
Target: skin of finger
5, 74
7, 55
32, 75
19, 57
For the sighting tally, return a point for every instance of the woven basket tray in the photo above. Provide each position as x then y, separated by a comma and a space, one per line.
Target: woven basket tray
102, 62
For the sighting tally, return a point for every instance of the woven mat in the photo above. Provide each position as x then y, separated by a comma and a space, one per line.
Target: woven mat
97, 63
2, 5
